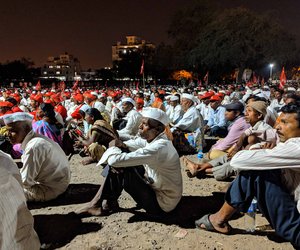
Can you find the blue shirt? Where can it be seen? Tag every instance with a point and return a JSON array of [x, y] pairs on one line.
[[217, 117]]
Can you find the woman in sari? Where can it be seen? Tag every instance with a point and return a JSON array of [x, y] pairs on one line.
[[47, 124], [99, 136]]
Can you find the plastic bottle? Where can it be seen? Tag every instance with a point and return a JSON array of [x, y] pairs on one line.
[[200, 156], [191, 140], [250, 217]]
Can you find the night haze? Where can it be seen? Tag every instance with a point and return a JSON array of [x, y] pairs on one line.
[[38, 29]]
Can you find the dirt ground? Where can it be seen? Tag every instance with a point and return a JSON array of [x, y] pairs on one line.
[[59, 228]]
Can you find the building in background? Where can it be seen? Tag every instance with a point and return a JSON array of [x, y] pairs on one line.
[[133, 44], [64, 67], [127, 58]]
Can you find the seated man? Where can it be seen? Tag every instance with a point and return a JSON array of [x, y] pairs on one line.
[[16, 224], [45, 172], [132, 118], [235, 115], [272, 175], [156, 186], [216, 125], [191, 119], [252, 138], [175, 111]]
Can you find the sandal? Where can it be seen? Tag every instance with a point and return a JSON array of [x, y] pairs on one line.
[[208, 225]]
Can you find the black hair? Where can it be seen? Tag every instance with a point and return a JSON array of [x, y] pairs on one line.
[[95, 113], [292, 108], [48, 110], [12, 100]]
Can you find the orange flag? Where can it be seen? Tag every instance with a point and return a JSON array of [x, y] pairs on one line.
[[282, 79]]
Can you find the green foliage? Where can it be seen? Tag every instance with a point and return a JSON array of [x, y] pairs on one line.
[[220, 40]]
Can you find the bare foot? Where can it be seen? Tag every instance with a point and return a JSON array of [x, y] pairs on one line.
[[87, 161], [88, 209], [191, 166]]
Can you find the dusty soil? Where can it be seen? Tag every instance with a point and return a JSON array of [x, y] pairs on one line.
[[59, 228]]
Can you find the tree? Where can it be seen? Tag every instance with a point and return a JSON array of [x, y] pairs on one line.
[[207, 39]]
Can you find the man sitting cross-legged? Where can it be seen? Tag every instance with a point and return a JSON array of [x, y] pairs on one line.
[[272, 175]]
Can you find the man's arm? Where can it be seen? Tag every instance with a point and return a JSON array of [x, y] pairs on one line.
[[284, 155]]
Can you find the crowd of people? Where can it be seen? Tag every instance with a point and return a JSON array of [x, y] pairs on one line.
[[138, 138]]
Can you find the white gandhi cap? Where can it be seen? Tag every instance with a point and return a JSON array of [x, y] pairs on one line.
[[156, 114], [17, 117]]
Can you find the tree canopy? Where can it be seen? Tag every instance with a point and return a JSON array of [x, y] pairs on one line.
[[206, 37]]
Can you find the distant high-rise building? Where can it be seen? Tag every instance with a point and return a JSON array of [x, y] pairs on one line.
[[133, 44], [65, 67]]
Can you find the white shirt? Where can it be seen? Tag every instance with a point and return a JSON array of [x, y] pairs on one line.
[[161, 163], [190, 121], [16, 224], [44, 162], [175, 113], [134, 119], [285, 156], [204, 110]]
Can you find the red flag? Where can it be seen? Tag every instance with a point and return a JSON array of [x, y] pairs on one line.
[[75, 86], [62, 86], [205, 79], [282, 79], [142, 68], [38, 86], [254, 79], [199, 83]]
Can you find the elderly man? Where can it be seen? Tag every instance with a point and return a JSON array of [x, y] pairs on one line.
[[16, 224], [45, 172], [272, 175], [175, 110], [156, 185], [191, 119], [132, 118]]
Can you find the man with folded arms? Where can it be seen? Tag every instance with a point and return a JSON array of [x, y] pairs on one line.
[[272, 175]]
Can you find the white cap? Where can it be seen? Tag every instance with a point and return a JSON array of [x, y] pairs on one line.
[[188, 96], [17, 117], [168, 97], [94, 93], [156, 114], [174, 98], [84, 107], [291, 89], [256, 92], [128, 99]]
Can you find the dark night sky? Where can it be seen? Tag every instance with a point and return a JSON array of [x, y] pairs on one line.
[[87, 29]]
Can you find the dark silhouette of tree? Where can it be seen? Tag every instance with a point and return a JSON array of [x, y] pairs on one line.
[[209, 38]]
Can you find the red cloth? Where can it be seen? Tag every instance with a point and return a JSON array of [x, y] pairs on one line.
[[61, 110]]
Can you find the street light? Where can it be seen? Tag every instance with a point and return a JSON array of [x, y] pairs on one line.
[[271, 68]]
